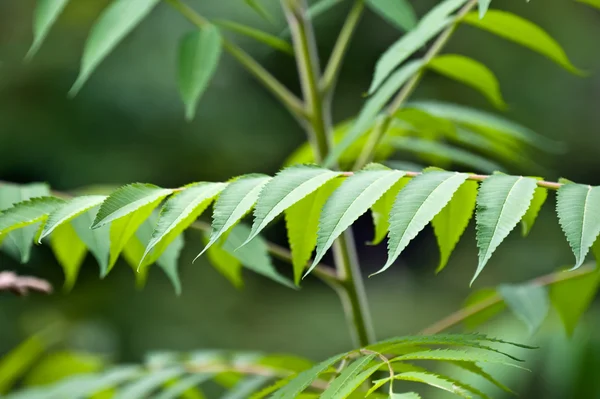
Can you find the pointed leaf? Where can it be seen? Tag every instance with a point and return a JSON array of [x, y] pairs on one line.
[[539, 197], [144, 386], [199, 54], [399, 13], [126, 200], [501, 203], [453, 219], [69, 211], [176, 390], [28, 212], [578, 209], [354, 197], [244, 388], [435, 381], [259, 9], [372, 107], [431, 24], [284, 190], [483, 7], [454, 355], [96, 240], [228, 265], [177, 214], [234, 202], [46, 13], [423, 198], [523, 32], [572, 297], [407, 395], [382, 208], [350, 378], [470, 72], [475, 369], [258, 35], [119, 18], [70, 252], [528, 302], [302, 223]]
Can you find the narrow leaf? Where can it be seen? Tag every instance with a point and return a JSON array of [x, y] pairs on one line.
[[69, 211], [382, 208], [96, 240], [258, 35], [528, 302], [483, 7], [144, 386], [470, 72], [284, 190], [523, 32], [259, 9], [350, 378], [354, 197], [450, 223], [228, 265], [501, 203], [70, 252], [399, 13], [578, 209], [454, 355], [120, 18], [416, 205], [435, 381], [539, 197], [407, 395], [176, 390], [475, 369], [28, 212], [199, 54], [244, 388], [46, 13], [372, 107]]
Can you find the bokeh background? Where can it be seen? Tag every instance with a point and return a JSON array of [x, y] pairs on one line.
[[127, 125]]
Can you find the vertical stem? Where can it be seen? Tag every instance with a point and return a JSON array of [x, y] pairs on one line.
[[351, 291]]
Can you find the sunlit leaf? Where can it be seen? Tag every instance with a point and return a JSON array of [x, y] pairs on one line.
[[96, 240], [523, 32], [501, 203], [399, 13], [225, 263], [528, 302], [407, 395], [539, 197], [578, 209], [15, 364], [60, 365], [70, 252], [470, 72], [382, 208], [434, 381], [28, 212], [350, 378], [46, 14], [116, 22], [199, 54], [69, 211], [256, 34]]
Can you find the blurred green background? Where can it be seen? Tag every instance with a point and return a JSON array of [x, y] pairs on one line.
[[127, 125]]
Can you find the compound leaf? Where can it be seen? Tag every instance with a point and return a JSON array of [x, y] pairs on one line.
[[349, 379], [69, 211]]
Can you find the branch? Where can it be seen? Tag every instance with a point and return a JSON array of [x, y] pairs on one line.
[[20, 285]]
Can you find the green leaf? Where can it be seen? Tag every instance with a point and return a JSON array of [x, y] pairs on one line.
[[28, 212], [244, 388], [539, 197], [57, 366], [234, 202], [372, 107], [454, 355], [578, 209], [431, 24], [480, 317], [176, 390], [15, 363], [450, 223], [524, 32], [470, 72], [475, 369], [120, 18], [177, 214], [304, 379], [382, 208], [354, 197], [399, 13], [46, 13], [96, 240], [228, 265], [407, 395], [572, 297], [126, 200], [302, 223], [435, 381], [483, 7], [593, 3], [69, 211], [199, 54], [528, 302], [350, 378], [256, 34], [501, 203], [259, 9], [284, 190], [423, 198], [144, 386], [70, 252]]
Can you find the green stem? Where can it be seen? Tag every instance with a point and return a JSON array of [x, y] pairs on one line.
[[382, 126], [287, 98]]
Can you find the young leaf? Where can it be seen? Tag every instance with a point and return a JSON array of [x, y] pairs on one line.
[[120, 18], [184, 384], [69, 211], [226, 264], [501, 203], [382, 208], [450, 223], [70, 252], [523, 32], [470, 72], [529, 303], [126, 200], [143, 387], [416, 205], [571, 298], [350, 378], [354, 197], [284, 190], [302, 223], [431, 24], [199, 54], [28, 212], [578, 209], [539, 197], [372, 107], [96, 240], [234, 202], [46, 13], [399, 13], [263, 37], [435, 381], [177, 214], [483, 7]]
